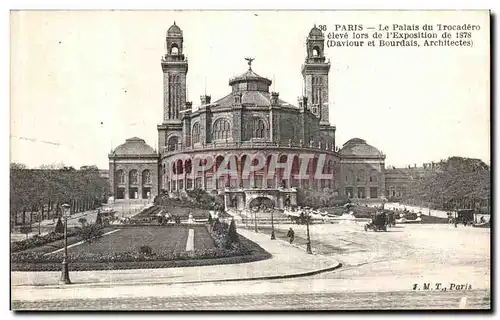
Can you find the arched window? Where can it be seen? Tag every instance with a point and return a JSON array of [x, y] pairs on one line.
[[188, 166], [196, 133], [146, 177], [172, 143], [133, 177], [316, 52], [259, 128], [373, 176], [179, 167], [120, 176], [221, 129], [174, 50]]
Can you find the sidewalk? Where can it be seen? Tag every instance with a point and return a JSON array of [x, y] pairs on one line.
[[287, 261]]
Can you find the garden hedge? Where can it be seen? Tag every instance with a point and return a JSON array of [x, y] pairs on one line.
[[37, 241]]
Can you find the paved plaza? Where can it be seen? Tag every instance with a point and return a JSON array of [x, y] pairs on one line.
[[379, 270]]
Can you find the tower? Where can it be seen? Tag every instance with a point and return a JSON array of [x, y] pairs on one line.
[[175, 67], [315, 73]]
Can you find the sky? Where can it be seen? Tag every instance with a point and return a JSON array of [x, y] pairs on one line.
[[83, 82]]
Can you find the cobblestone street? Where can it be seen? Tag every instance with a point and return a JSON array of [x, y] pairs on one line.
[[300, 301]]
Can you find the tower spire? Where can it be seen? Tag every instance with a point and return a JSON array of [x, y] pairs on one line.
[[315, 72], [175, 67]]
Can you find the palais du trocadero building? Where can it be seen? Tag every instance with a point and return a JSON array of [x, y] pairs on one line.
[[249, 119]]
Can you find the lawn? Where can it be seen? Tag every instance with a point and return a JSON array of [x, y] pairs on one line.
[[120, 250], [168, 238], [202, 239]]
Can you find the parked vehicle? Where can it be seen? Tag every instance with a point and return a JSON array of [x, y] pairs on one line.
[[378, 223]]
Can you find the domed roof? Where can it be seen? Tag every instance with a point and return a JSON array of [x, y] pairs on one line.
[[249, 75], [174, 31], [133, 146], [315, 32], [359, 148]]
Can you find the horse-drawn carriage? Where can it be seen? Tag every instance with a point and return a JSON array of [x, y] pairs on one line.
[[379, 222]]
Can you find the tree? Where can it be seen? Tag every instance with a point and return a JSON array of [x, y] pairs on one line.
[[18, 166], [56, 183], [455, 183], [210, 220], [59, 226]]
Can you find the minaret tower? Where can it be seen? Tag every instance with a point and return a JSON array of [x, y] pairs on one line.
[[175, 67], [315, 72]]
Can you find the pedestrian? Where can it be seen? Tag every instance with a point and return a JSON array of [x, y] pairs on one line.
[[291, 235]]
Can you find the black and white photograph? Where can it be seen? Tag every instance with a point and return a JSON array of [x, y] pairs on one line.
[[197, 160]]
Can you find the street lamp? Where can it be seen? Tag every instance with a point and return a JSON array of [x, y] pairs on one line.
[[308, 237], [39, 223], [65, 272], [273, 237], [255, 220]]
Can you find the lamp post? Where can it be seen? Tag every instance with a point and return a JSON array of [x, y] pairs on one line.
[[308, 237], [65, 272], [39, 223], [255, 220], [273, 237]]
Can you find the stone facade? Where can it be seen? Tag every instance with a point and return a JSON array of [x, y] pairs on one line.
[[248, 123], [133, 170], [362, 173]]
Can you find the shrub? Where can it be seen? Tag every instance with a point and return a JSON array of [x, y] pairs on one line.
[[59, 226], [233, 235], [38, 241], [216, 227], [212, 253], [410, 215], [98, 219], [82, 221], [89, 232], [26, 229], [145, 250], [224, 235]]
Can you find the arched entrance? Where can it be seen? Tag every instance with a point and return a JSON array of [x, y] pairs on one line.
[[261, 203]]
